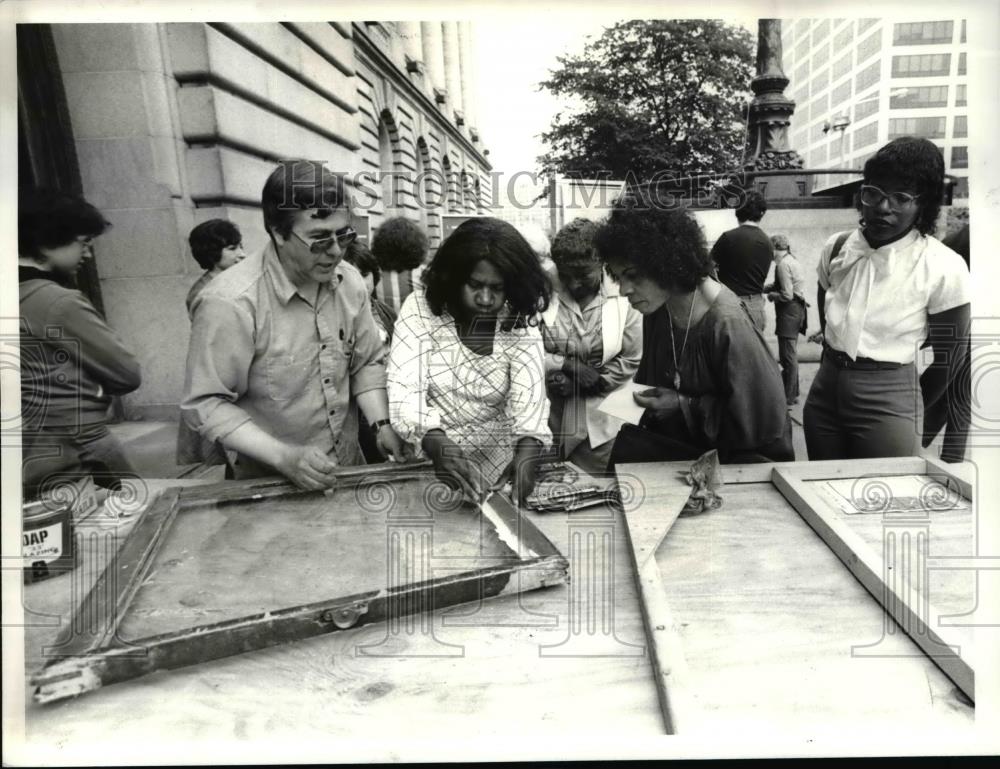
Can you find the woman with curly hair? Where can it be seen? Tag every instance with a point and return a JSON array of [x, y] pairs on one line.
[[400, 247], [466, 371], [713, 383], [883, 289]]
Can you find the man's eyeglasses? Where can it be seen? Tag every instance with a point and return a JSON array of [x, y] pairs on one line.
[[873, 196], [342, 237]]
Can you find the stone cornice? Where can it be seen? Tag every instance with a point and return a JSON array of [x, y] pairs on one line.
[[369, 51]]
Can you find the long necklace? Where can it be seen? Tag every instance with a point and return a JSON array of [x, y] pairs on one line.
[[673, 345]]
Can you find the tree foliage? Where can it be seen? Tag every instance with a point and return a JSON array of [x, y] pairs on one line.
[[652, 96]]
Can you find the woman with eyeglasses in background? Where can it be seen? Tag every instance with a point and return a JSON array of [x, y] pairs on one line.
[[883, 289]]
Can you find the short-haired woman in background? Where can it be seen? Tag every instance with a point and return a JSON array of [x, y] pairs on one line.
[[713, 381], [216, 245], [466, 372], [883, 289]]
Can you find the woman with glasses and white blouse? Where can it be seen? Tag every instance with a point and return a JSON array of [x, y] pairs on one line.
[[884, 289]]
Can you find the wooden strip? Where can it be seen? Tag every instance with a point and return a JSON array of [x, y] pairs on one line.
[[86, 672], [125, 574], [678, 703], [648, 523], [263, 488], [867, 567], [961, 473], [505, 517], [819, 470]]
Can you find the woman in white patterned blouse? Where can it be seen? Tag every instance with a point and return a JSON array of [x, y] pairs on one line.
[[466, 370]]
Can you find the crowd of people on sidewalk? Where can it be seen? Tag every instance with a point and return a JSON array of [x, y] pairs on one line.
[[492, 354]]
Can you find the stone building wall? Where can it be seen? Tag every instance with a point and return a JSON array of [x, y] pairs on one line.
[[182, 122]]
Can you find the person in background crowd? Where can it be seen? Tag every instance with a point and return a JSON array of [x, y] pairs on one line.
[[593, 343], [743, 257], [883, 289], [400, 246], [72, 362], [713, 383], [539, 242], [284, 347], [467, 372], [216, 245], [360, 256], [788, 295]]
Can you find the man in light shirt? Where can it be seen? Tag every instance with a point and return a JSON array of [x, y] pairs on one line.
[[284, 348], [788, 295]]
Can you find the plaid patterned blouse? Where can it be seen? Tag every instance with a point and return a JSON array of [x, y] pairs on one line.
[[484, 403]]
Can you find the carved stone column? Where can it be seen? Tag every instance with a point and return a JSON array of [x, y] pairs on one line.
[[468, 68], [452, 64], [413, 49], [433, 47]]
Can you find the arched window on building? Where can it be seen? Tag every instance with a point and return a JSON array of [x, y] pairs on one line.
[[386, 165], [451, 203], [477, 193], [428, 191]]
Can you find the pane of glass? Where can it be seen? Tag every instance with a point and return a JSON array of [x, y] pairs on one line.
[[221, 562]]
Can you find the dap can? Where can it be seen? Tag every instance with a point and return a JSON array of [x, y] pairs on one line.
[[47, 539]]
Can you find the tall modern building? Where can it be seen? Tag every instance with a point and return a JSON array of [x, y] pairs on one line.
[[858, 83], [163, 126]]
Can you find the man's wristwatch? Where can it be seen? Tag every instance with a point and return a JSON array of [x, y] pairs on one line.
[[379, 424]]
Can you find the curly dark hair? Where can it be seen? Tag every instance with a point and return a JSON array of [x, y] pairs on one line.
[[526, 285], [361, 256], [48, 218], [664, 244], [209, 238], [574, 243], [753, 207], [918, 165], [399, 244]]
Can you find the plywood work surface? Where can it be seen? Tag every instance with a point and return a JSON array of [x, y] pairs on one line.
[[947, 539], [561, 661], [779, 636]]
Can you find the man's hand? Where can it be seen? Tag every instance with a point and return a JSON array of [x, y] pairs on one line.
[[453, 467], [772, 296], [817, 337], [523, 469], [307, 467], [661, 402], [587, 377], [394, 447]]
